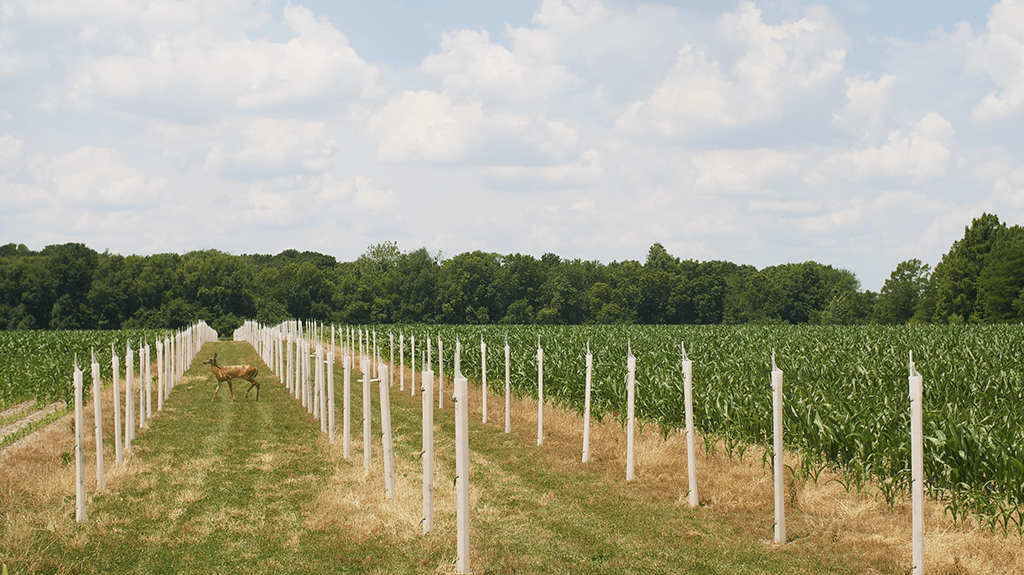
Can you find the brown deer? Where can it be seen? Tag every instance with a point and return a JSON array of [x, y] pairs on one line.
[[231, 372]]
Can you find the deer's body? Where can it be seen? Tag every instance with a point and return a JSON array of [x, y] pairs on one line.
[[231, 372]]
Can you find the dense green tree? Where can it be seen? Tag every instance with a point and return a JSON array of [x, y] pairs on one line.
[[107, 297], [902, 292], [413, 283], [567, 288], [71, 268], [956, 276], [848, 308], [71, 286], [706, 291], [788, 293], [518, 287], [659, 278], [466, 289], [26, 295], [1001, 281]]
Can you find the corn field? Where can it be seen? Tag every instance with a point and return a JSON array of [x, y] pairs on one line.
[[846, 395], [37, 364]]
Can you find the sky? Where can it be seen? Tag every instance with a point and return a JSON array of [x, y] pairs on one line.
[[854, 133]]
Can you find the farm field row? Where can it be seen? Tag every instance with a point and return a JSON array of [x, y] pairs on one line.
[[37, 365], [845, 388], [249, 487]]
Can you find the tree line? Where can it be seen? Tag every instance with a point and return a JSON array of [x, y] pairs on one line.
[[70, 286]]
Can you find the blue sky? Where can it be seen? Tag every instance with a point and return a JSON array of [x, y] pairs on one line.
[[857, 134]]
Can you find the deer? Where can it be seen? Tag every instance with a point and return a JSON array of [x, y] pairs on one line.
[[232, 372]]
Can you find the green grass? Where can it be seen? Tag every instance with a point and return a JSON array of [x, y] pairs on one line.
[[228, 487]]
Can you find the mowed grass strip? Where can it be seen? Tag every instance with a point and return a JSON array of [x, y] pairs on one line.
[[224, 486], [254, 487]]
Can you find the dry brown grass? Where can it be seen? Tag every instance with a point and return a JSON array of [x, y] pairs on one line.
[[821, 515], [37, 476]]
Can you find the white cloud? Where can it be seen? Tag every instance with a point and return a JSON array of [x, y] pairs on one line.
[[834, 222], [743, 171], [587, 169], [10, 147], [371, 199], [470, 66], [1007, 197], [331, 194], [98, 177], [19, 197], [866, 112], [625, 52], [255, 145], [1000, 54], [696, 94], [922, 153], [424, 125], [780, 64], [1009, 194], [177, 71], [428, 126]]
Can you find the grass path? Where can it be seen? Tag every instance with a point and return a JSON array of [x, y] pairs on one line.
[[253, 487], [224, 489]]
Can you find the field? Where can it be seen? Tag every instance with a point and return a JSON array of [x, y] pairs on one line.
[[846, 395], [246, 487], [36, 365], [255, 487]]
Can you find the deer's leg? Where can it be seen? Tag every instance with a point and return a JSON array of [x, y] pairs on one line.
[[255, 384], [215, 392], [231, 388]]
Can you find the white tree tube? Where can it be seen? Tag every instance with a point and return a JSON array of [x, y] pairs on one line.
[[586, 407], [508, 390], [115, 366], [458, 357], [129, 398], [385, 428], [330, 391], [412, 384], [780, 501], [79, 448], [321, 388], [462, 471], [391, 349], [149, 384], [308, 356], [691, 450], [365, 367], [440, 374], [280, 355], [324, 367], [160, 377], [917, 465], [630, 412], [97, 406], [318, 374], [289, 369], [142, 386], [483, 377], [428, 451], [540, 394], [346, 400]]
